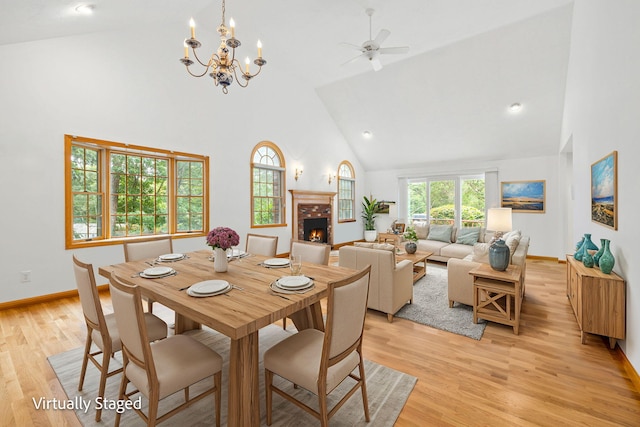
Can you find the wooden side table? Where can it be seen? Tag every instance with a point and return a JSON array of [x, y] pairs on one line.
[[497, 295], [395, 238]]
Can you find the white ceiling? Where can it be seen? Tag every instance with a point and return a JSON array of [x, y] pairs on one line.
[[445, 100]]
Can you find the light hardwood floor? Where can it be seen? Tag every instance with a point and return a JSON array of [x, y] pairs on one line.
[[543, 376]]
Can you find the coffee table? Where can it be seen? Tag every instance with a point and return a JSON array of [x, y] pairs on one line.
[[419, 260]]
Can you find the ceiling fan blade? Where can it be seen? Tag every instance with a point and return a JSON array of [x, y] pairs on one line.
[[375, 62], [382, 36], [399, 49], [352, 60], [355, 46]]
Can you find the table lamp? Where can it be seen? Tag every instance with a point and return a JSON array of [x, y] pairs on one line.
[[499, 221]]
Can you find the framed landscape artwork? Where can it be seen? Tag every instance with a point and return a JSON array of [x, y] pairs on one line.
[[604, 191], [523, 196]]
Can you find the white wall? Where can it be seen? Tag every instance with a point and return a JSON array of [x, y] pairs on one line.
[[544, 229], [104, 86], [601, 115]]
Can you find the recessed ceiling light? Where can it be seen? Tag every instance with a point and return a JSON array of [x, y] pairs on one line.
[[85, 9], [515, 107], [366, 134]]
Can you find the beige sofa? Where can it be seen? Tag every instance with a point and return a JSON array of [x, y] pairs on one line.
[[391, 284], [447, 242], [460, 282]]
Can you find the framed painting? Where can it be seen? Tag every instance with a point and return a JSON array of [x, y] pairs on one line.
[[604, 191], [523, 196]]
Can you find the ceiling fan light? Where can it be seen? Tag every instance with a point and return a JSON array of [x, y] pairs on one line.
[[515, 107], [367, 134]]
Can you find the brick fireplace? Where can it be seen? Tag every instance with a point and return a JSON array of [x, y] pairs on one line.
[[312, 216]]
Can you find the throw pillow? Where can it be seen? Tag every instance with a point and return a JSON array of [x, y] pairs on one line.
[[422, 229], [384, 246], [481, 253], [468, 236], [512, 240], [441, 233], [363, 244]]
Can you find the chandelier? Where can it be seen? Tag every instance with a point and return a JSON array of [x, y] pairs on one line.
[[223, 64]]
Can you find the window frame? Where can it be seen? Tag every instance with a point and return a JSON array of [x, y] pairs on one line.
[[351, 179], [104, 150], [282, 169]]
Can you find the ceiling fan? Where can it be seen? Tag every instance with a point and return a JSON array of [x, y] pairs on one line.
[[371, 49]]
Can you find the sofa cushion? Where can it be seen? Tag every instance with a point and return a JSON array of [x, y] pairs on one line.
[[441, 233], [468, 236], [456, 250], [422, 229], [481, 253], [431, 246], [363, 244], [512, 239], [384, 246]]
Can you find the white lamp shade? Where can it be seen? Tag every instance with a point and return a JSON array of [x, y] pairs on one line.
[[499, 219]]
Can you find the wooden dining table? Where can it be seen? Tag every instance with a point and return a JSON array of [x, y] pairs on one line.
[[238, 314]]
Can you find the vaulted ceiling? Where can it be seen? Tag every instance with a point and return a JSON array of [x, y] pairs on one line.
[[445, 100]]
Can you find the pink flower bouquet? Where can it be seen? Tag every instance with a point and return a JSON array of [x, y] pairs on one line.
[[223, 238]]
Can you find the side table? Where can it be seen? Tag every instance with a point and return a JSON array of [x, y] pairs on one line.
[[396, 238], [497, 295]]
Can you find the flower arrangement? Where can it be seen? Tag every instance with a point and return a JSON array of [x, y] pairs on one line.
[[411, 234], [223, 238]]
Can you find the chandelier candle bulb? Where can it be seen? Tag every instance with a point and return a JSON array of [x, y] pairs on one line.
[[186, 50], [246, 65], [259, 49], [232, 24], [192, 24]]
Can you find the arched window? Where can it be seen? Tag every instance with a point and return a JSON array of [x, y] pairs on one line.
[[267, 186], [346, 192]]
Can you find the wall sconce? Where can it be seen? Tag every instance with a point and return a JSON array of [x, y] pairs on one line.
[[298, 173], [331, 178]]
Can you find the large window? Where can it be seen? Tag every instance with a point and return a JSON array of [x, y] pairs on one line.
[[458, 201], [116, 191], [346, 192], [267, 186]]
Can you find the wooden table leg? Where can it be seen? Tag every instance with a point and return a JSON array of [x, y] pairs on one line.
[[310, 317], [476, 301], [244, 391], [185, 324]]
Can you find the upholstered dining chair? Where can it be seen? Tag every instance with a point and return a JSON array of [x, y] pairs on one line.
[[136, 250], [159, 369], [258, 244], [320, 361], [315, 253], [101, 328]]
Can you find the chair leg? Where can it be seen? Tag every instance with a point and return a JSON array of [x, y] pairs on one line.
[[324, 411], [217, 380], [390, 317], [85, 359], [363, 389], [268, 380], [123, 389], [284, 323], [104, 373]]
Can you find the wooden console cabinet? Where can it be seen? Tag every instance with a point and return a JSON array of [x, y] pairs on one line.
[[598, 301]]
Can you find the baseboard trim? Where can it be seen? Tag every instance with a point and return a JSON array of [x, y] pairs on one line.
[[629, 369], [45, 298], [543, 258]]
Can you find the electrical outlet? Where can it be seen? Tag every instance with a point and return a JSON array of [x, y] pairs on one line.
[[25, 276]]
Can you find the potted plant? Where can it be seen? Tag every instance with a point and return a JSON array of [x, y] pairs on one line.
[[412, 238], [369, 210]]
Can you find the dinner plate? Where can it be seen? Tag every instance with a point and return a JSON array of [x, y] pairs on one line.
[[170, 257], [236, 253], [197, 295], [276, 262], [209, 287], [293, 282], [157, 271]]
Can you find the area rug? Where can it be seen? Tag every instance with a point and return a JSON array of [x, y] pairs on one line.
[[431, 306], [387, 391]]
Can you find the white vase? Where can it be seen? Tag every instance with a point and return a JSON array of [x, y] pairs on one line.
[[370, 235], [220, 263]]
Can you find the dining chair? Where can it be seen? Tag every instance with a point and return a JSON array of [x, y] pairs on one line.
[[101, 328], [159, 369], [140, 249], [320, 361], [315, 253], [258, 244]]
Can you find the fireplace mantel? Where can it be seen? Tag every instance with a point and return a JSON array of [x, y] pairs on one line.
[[308, 199]]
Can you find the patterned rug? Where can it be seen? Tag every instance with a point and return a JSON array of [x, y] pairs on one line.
[[431, 306], [387, 391]]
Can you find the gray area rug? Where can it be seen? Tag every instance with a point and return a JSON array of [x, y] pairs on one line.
[[431, 306], [387, 391]]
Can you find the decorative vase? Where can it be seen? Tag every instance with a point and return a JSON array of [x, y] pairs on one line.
[[587, 258], [578, 254], [579, 244], [370, 235], [589, 244], [411, 247], [220, 263], [499, 255], [596, 257], [607, 261]]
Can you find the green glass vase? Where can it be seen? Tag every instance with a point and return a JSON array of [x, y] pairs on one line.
[[596, 257], [607, 261]]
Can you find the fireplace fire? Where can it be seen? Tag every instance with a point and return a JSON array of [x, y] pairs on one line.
[[315, 230], [316, 235]]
